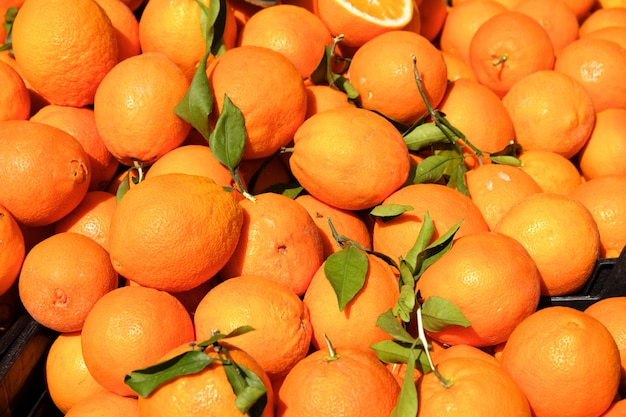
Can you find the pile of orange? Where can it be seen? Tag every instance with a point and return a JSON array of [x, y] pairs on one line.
[[165, 181]]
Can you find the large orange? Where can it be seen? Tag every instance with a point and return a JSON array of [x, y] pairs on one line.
[[282, 330], [129, 328], [14, 94], [207, 393], [64, 48], [552, 171], [105, 404], [134, 108], [492, 279], [332, 148], [346, 382], [62, 278], [44, 171], [12, 250], [80, 122], [477, 388], [604, 151], [605, 198], [507, 47], [561, 236], [382, 73], [279, 240], [446, 207], [355, 326], [566, 348], [149, 236]]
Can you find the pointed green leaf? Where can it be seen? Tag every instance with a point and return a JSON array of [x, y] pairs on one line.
[[456, 177], [405, 304], [407, 403], [423, 238], [425, 135], [390, 324], [436, 249], [123, 187], [439, 313], [346, 271], [197, 103], [219, 336], [506, 160], [248, 388], [389, 211], [391, 351], [320, 73], [228, 139], [432, 168]]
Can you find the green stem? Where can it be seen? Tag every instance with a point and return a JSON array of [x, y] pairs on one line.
[[422, 337]]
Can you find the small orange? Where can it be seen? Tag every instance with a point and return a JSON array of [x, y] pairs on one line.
[[126, 27], [249, 75], [133, 4], [599, 65], [496, 188], [14, 95], [617, 409], [464, 350], [64, 48], [80, 122], [355, 326], [62, 278], [445, 206], [477, 388], [604, 151], [457, 67], [92, 217], [279, 240], [129, 328], [105, 404], [282, 330], [560, 235], [602, 18], [492, 279], [382, 73], [324, 97], [582, 8], [262, 175], [616, 34], [152, 246], [507, 47], [566, 348], [332, 147], [550, 111], [67, 378], [134, 108], [605, 198], [45, 172], [432, 14], [344, 382], [12, 250], [552, 171]]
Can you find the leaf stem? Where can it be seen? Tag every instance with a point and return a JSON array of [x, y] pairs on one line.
[[422, 337]]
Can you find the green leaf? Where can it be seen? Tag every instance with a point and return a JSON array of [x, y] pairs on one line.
[[432, 168], [389, 211], [390, 324], [425, 135], [343, 84], [439, 313], [228, 139], [421, 243], [391, 351], [346, 271], [197, 103], [456, 177], [251, 393], [405, 304], [506, 160], [219, 336], [436, 249], [407, 403], [145, 381]]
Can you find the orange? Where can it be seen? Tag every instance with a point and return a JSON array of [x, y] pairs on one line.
[[477, 387], [64, 48], [507, 47], [556, 17], [249, 76], [279, 241], [610, 312], [324, 97], [561, 236], [92, 217], [129, 328], [604, 152], [492, 279], [616, 34], [105, 404], [463, 350], [243, 10], [133, 4], [174, 29], [457, 68], [445, 206], [361, 21], [602, 18], [207, 393], [344, 382], [617, 409], [332, 147], [346, 223], [552, 171], [432, 14], [462, 22], [551, 111], [263, 174], [355, 326], [605, 198], [496, 188], [153, 246], [191, 298], [67, 378], [134, 108], [282, 330], [12, 250], [466, 105], [36, 100], [126, 27], [62, 278], [80, 122], [297, 33], [566, 348], [42, 164], [382, 73], [599, 65], [14, 95], [582, 8]]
